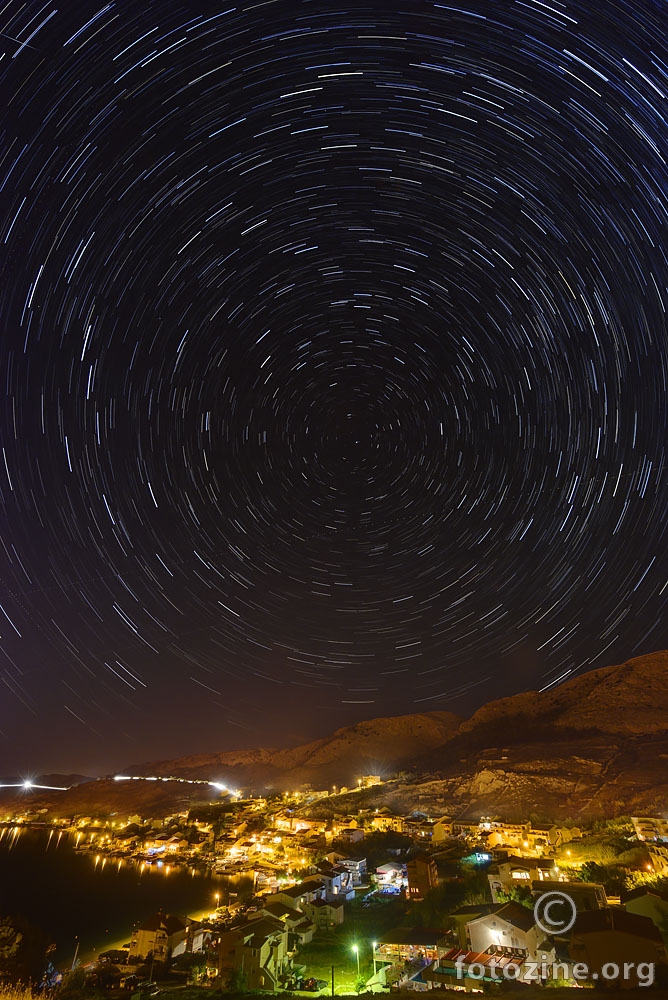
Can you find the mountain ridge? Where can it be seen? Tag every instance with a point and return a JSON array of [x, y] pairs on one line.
[[346, 754], [595, 745]]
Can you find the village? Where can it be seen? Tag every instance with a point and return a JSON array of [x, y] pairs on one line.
[[374, 901]]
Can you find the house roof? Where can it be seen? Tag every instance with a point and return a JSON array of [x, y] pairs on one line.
[[613, 919], [305, 925], [278, 909], [163, 921], [525, 863], [643, 890], [261, 929], [472, 910], [335, 904], [552, 884], [302, 888], [517, 915]]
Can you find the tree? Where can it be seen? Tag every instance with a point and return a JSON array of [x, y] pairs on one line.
[[194, 963], [237, 981], [73, 985], [22, 950], [613, 878], [438, 904], [517, 894], [360, 983], [477, 886]]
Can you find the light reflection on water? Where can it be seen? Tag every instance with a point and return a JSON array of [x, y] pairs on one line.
[[97, 896]]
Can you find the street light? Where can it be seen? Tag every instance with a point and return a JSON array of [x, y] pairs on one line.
[[76, 952], [357, 953], [374, 945], [217, 899]]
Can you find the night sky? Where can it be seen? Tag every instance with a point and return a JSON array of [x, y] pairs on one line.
[[334, 363]]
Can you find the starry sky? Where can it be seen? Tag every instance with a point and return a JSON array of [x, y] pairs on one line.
[[333, 363]]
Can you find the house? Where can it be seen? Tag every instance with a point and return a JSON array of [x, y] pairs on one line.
[[442, 830], [165, 844], [547, 837], [465, 829], [518, 871], [509, 928], [257, 952], [369, 780], [326, 914], [356, 867], [203, 940], [658, 855], [585, 895], [614, 935], [468, 971], [649, 903], [650, 827], [391, 873], [465, 914], [200, 937], [419, 827], [297, 824], [302, 934], [497, 833], [296, 895], [337, 880], [351, 835], [384, 820], [409, 944], [278, 910], [161, 935], [422, 876], [300, 928]]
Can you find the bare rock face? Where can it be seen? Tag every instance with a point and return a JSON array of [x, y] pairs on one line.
[[629, 699], [595, 746]]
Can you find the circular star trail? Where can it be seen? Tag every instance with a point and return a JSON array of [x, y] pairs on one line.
[[334, 361]]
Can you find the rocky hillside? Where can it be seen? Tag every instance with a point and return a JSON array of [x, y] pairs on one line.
[[630, 699], [595, 746], [379, 746]]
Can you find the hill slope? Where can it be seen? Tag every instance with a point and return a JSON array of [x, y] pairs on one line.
[[595, 746], [628, 699], [378, 746]]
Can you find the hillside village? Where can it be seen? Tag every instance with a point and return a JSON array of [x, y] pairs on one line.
[[374, 900], [397, 853]]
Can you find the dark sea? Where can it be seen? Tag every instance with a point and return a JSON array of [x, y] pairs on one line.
[[97, 900]]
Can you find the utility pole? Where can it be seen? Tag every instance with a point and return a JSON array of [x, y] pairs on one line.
[[76, 952], [332, 980]]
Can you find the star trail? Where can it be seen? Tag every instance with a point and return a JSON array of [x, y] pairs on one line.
[[334, 363]]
